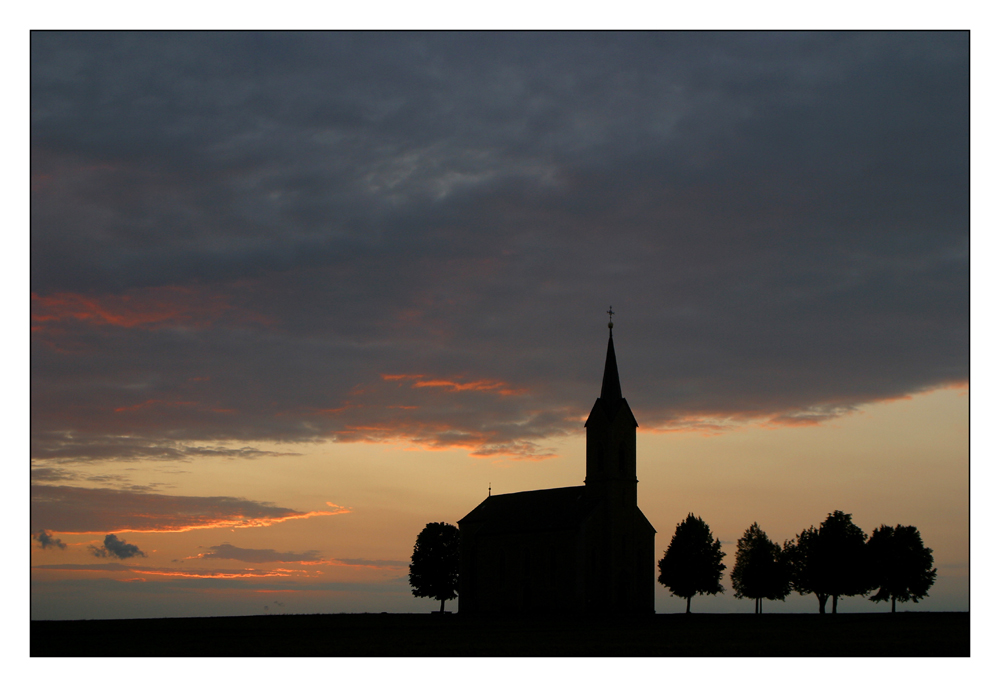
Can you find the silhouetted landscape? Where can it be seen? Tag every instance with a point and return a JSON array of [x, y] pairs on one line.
[[845, 634], [302, 302]]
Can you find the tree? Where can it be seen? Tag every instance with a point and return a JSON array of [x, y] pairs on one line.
[[434, 564], [692, 564], [760, 571], [831, 561], [900, 565], [803, 561]]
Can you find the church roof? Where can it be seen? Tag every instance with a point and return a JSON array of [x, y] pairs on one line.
[[524, 511]]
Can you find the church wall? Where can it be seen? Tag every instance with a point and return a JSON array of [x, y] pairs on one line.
[[520, 573], [645, 569]]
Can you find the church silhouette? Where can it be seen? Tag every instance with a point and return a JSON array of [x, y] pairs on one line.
[[582, 549]]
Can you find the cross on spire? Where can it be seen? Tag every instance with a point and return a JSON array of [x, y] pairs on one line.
[[611, 313]]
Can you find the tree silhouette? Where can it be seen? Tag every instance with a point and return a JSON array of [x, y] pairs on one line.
[[900, 565], [434, 564], [803, 560], [760, 571], [692, 564], [831, 561]]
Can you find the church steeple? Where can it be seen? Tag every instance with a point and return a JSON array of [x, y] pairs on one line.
[[611, 387], [611, 436]]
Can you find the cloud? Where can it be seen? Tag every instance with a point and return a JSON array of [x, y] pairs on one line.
[[146, 308], [109, 567], [482, 385], [312, 557], [368, 237], [91, 511], [228, 551], [74, 446], [154, 580], [47, 474], [46, 540], [369, 563], [179, 573], [116, 548], [51, 474]]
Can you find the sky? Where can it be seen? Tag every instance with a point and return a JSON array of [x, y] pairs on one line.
[[295, 295]]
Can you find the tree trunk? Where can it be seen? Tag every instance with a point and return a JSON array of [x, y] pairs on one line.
[[893, 604], [835, 597], [822, 602], [442, 605], [689, 605]]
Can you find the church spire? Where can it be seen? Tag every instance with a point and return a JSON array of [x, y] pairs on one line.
[[611, 388]]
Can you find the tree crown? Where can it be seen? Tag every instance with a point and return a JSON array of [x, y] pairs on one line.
[[692, 564], [760, 570], [901, 564], [434, 563]]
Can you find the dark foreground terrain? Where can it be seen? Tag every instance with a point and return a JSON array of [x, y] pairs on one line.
[[863, 634]]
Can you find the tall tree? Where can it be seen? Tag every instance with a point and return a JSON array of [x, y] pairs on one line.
[[845, 556], [692, 564], [900, 565], [830, 562], [434, 564], [760, 571], [803, 560]]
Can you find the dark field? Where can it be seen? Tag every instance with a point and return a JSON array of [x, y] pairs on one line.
[[863, 634]]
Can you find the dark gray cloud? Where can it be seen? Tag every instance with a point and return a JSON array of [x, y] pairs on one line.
[[253, 236], [83, 510], [116, 548], [235, 553], [51, 474], [69, 446], [46, 540]]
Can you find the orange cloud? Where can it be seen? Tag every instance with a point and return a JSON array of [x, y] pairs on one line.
[[439, 436], [78, 510], [148, 308], [220, 575], [484, 385], [169, 572], [709, 424], [231, 523], [145, 308]]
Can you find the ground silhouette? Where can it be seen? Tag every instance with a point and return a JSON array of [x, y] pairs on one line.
[[434, 634]]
